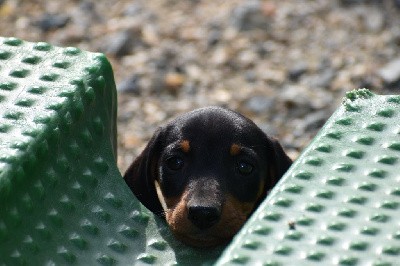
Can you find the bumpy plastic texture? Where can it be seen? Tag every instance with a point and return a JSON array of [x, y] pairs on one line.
[[63, 201], [340, 202], [62, 198]]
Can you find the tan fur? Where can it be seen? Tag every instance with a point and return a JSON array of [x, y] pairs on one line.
[[235, 149], [160, 195], [234, 215], [185, 146]]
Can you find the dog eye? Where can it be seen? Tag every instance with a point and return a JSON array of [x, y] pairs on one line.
[[244, 168], [174, 163]]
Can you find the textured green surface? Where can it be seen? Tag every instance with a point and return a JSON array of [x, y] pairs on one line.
[[339, 203], [62, 199]]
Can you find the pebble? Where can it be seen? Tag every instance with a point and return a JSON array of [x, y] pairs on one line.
[[87, 6], [174, 81], [390, 73], [69, 36], [214, 37], [315, 120], [250, 76], [246, 59], [220, 56], [85, 15], [52, 21], [372, 17], [249, 16], [350, 2], [118, 44], [259, 104], [133, 9], [263, 49], [268, 128], [130, 85], [296, 100], [299, 101], [297, 70], [375, 20], [323, 79]]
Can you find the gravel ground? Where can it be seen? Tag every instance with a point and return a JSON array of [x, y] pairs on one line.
[[285, 64]]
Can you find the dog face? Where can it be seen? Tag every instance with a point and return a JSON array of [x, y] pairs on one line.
[[206, 172]]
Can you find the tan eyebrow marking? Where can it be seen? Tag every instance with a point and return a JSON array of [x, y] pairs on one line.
[[185, 146], [235, 149]]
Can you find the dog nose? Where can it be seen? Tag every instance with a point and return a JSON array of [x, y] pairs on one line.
[[203, 217]]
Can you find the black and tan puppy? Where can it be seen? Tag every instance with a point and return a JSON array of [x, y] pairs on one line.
[[206, 172]]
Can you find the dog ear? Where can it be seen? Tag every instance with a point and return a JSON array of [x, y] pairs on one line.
[[279, 162], [142, 173]]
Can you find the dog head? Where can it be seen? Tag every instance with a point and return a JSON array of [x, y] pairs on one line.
[[206, 172]]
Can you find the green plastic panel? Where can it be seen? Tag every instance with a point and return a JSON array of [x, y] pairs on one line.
[[62, 198], [339, 204]]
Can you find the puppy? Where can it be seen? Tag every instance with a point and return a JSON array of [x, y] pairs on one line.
[[205, 172]]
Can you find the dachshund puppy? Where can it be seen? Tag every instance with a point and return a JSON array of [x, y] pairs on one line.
[[205, 172]]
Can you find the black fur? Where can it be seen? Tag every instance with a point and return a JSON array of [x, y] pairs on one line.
[[210, 132]]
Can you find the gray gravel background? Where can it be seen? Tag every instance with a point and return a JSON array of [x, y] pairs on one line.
[[286, 64]]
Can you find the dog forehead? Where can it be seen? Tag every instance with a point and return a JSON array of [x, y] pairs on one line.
[[213, 120], [213, 126]]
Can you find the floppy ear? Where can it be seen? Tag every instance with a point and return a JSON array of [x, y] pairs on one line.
[[278, 164], [142, 173], [280, 161]]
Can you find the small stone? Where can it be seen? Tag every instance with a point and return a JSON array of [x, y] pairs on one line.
[[86, 14], [250, 15], [69, 36], [151, 34], [221, 95], [297, 70], [87, 6], [350, 2], [390, 73], [371, 18], [276, 76], [259, 104], [214, 37], [174, 81], [118, 44], [264, 48], [246, 59], [194, 72], [250, 76], [52, 21], [315, 120], [221, 56], [190, 88], [133, 9], [374, 20], [297, 100], [130, 85], [324, 79]]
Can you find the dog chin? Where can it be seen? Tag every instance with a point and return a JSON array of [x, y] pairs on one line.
[[201, 240]]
